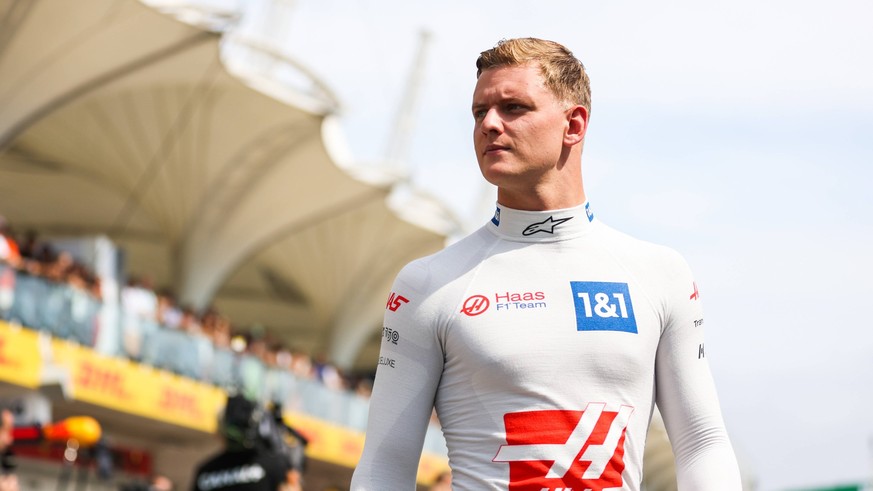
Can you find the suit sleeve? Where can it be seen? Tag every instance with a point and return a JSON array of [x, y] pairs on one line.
[[410, 367], [685, 390]]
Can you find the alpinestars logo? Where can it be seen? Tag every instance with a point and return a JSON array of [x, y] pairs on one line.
[[565, 450], [548, 225]]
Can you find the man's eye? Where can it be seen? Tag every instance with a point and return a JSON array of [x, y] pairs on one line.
[[514, 107], [479, 114]]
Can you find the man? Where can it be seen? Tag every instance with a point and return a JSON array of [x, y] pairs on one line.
[[544, 338], [250, 460]]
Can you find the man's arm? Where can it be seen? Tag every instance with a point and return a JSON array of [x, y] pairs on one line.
[[410, 366], [686, 394]]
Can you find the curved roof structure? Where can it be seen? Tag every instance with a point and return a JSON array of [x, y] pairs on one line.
[[118, 119]]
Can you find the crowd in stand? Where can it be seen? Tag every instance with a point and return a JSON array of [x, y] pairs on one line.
[[141, 301], [42, 259]]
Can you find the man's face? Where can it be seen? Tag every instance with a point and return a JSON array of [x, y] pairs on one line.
[[519, 126]]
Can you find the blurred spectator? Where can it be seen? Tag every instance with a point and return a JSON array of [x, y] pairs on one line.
[[282, 357], [301, 365], [65, 305], [56, 269], [364, 388], [145, 309], [238, 343], [10, 255], [139, 306], [28, 246], [208, 321], [443, 482], [189, 322], [327, 373], [8, 479], [270, 355], [194, 326], [7, 291], [42, 254], [78, 277], [9, 252], [221, 333], [83, 304], [160, 483], [256, 342], [168, 314]]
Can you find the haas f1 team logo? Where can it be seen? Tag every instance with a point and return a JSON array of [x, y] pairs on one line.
[[395, 301], [565, 450], [475, 305]]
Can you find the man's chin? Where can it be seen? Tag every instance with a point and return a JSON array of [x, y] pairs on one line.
[[494, 178], [497, 172]]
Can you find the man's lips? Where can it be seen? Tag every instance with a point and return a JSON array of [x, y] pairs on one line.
[[495, 148]]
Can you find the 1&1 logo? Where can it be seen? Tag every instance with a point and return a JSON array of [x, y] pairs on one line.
[[603, 306], [565, 450]]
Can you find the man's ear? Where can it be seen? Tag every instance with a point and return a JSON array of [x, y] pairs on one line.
[[577, 125]]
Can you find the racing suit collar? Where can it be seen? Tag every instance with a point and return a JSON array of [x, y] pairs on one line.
[[541, 226]]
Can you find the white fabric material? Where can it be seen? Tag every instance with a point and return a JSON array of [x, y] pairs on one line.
[[544, 340]]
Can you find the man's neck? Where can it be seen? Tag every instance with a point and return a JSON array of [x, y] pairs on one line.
[[540, 201], [541, 226]]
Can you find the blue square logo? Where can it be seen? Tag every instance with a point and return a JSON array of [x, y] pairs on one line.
[[603, 306]]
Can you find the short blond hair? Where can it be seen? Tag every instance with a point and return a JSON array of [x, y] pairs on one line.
[[562, 72]]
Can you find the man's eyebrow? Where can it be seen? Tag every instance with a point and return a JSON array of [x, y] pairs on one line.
[[508, 99], [513, 100]]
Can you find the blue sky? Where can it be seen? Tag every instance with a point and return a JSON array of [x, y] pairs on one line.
[[739, 133]]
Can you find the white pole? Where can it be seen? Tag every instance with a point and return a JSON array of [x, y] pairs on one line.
[[397, 152]]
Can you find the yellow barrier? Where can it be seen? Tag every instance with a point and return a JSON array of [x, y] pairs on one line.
[[20, 360], [132, 388], [342, 446], [138, 389]]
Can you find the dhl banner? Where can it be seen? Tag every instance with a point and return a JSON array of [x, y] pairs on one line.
[[20, 361], [342, 446], [141, 390], [138, 389]]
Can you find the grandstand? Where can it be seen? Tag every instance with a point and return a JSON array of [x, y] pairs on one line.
[[128, 139], [152, 147]]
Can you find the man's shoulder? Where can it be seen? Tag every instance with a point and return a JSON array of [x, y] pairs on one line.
[[636, 245], [451, 260], [642, 255]]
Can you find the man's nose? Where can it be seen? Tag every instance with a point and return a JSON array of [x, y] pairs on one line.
[[492, 121]]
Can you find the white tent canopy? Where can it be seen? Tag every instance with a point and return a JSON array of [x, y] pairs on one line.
[[117, 119]]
